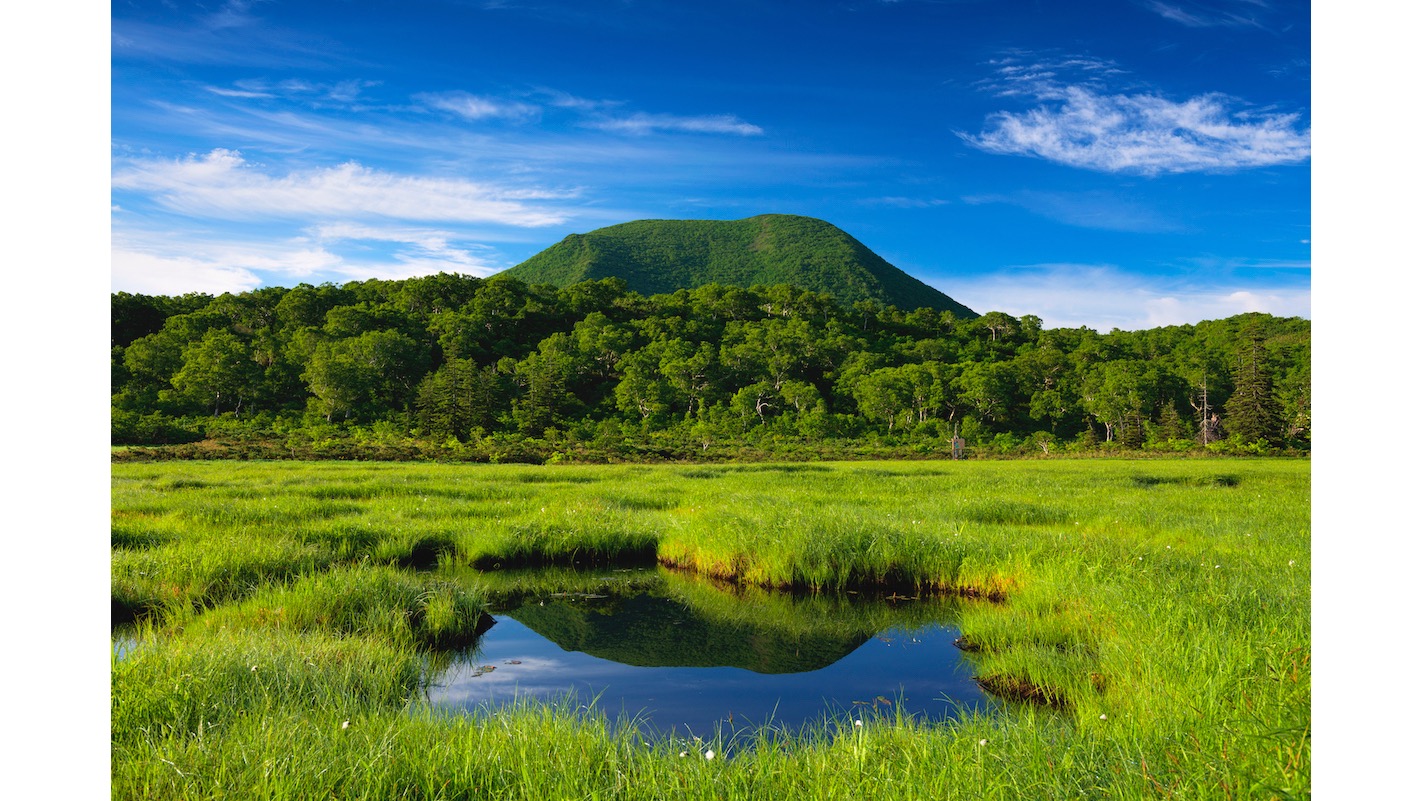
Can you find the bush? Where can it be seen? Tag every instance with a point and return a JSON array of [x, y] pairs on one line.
[[156, 428]]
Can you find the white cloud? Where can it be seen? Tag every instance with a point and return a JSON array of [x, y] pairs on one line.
[[426, 251], [153, 274], [1209, 15], [1103, 297], [224, 185], [340, 92], [474, 107], [1081, 122], [643, 123], [1145, 134], [243, 93], [561, 99], [1044, 77], [167, 263]]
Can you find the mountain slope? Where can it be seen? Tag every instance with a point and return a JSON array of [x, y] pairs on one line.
[[659, 256]]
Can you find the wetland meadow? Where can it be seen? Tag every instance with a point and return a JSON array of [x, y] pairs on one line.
[[1101, 628]]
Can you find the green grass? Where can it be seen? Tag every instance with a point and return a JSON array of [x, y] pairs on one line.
[[1157, 611]]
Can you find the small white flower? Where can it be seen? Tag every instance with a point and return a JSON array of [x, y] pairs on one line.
[[254, 668], [1218, 567], [1292, 563], [858, 723], [682, 754], [1103, 716], [345, 724], [983, 742], [709, 754]]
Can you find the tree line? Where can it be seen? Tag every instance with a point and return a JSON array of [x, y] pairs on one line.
[[452, 361]]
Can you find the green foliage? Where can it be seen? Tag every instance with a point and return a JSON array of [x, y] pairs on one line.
[[478, 369], [459, 398], [217, 370], [663, 256], [1253, 412], [360, 374], [134, 316]]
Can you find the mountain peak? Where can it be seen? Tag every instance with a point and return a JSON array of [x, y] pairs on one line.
[[662, 256]]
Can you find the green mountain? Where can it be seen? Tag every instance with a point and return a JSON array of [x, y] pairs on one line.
[[661, 256]]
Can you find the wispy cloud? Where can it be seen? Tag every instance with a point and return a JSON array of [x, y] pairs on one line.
[[1103, 297], [223, 91], [169, 263], [475, 107], [901, 202], [1098, 210], [344, 92], [561, 99], [643, 123], [229, 35], [1021, 73], [1087, 126], [224, 185], [421, 250], [1224, 13]]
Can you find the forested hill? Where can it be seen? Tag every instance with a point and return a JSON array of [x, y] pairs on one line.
[[658, 256], [472, 368]]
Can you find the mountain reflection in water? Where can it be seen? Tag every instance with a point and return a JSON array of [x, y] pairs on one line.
[[684, 656]]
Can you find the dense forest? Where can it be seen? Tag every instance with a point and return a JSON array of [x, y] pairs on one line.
[[451, 366]]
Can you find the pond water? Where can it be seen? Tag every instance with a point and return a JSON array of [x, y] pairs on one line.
[[686, 657], [122, 642]]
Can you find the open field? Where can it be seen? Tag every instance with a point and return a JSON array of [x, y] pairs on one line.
[[1151, 618]]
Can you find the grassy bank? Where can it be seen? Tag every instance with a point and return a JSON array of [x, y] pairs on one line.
[[1153, 623]]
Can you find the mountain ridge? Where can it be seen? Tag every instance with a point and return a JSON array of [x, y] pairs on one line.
[[662, 256]]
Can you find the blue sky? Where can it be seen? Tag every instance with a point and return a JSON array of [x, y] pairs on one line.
[[1110, 163]]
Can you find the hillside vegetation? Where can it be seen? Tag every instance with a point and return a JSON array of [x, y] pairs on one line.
[[454, 367], [658, 256]]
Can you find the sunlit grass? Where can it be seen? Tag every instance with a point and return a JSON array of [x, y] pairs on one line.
[[1160, 608]]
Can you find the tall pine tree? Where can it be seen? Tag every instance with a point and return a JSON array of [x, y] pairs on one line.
[[1252, 411]]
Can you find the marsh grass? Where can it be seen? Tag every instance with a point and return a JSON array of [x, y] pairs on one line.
[[377, 601], [509, 588], [1160, 610]]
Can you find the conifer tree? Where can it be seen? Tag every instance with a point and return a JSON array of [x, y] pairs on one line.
[[1252, 411]]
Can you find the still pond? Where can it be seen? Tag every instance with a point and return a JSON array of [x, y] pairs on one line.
[[686, 657]]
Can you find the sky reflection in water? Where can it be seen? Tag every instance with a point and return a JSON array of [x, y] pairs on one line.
[[850, 674]]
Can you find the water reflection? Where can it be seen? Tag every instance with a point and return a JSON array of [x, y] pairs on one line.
[[686, 656]]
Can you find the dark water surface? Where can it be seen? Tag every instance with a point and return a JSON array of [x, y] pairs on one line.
[[685, 657]]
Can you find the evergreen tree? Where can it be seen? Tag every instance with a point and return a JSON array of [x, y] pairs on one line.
[[1170, 425], [1252, 412], [459, 398]]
